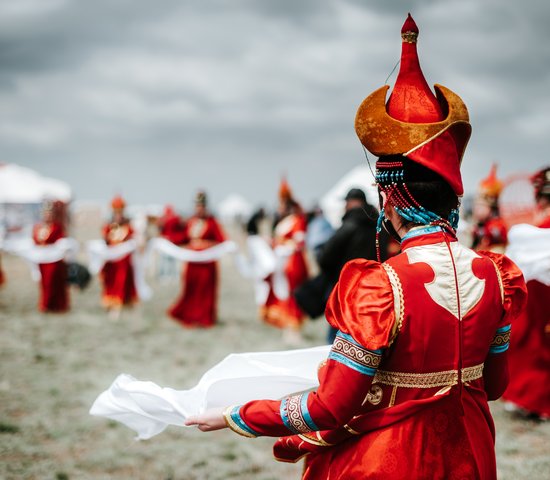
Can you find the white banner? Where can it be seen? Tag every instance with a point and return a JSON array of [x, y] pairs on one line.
[[148, 408], [63, 249], [183, 254], [529, 248]]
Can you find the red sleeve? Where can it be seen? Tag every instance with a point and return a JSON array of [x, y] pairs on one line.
[[105, 232], [350, 368], [362, 304], [514, 299], [216, 231]]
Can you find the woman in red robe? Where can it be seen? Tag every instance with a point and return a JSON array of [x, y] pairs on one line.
[[490, 232], [196, 306], [290, 232], [422, 338], [54, 291], [118, 276], [529, 388]]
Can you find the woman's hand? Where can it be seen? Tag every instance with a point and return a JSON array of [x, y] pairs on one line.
[[208, 421]]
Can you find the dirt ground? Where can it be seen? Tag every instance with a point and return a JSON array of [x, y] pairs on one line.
[[52, 367]]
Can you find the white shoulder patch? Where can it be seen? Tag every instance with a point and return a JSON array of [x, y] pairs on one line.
[[442, 289]]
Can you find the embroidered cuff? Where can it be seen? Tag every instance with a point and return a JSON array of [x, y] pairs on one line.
[[501, 340], [236, 423], [295, 414], [350, 353]]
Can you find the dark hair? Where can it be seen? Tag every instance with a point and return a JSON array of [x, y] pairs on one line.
[[428, 188]]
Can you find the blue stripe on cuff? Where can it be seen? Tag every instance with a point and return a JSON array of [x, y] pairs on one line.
[[350, 339], [504, 329], [499, 349], [351, 364], [284, 416], [236, 417], [306, 414]]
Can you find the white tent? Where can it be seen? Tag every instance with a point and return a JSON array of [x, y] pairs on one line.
[[23, 185], [234, 208], [333, 202]]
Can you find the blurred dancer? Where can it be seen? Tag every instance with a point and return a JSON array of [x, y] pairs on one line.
[[529, 388], [172, 227], [118, 276], [290, 232], [490, 230], [54, 292], [196, 306]]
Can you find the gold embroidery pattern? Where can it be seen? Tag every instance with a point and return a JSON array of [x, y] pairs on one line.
[[351, 430], [501, 339], [375, 395], [398, 298], [427, 380], [315, 439], [233, 426], [409, 37], [356, 353], [295, 417], [500, 284]]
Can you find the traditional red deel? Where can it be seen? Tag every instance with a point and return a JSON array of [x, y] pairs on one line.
[[54, 291], [284, 313], [118, 276], [197, 305]]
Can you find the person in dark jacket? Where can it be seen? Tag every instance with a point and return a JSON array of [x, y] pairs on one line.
[[356, 238]]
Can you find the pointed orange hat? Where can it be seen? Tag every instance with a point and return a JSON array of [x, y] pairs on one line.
[[285, 192], [490, 187], [432, 130], [118, 203]]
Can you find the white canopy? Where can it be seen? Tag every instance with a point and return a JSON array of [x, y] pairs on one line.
[[23, 185], [234, 207], [333, 201]]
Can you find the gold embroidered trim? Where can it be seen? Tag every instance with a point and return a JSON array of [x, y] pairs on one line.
[[315, 439], [499, 276], [392, 397], [295, 415], [356, 353], [232, 425], [427, 380], [409, 37], [501, 339], [351, 430], [374, 396], [398, 299]]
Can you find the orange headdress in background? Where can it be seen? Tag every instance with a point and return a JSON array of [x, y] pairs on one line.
[[490, 187], [118, 203]]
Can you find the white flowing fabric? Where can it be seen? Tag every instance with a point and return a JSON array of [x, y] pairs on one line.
[[100, 253], [187, 255], [148, 408], [63, 249], [529, 248], [263, 261]]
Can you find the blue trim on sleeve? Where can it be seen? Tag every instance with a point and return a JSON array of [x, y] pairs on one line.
[[306, 414], [350, 339], [504, 329], [500, 348], [236, 417], [351, 364], [284, 416]]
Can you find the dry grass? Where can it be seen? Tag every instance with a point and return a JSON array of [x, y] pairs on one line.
[[53, 366]]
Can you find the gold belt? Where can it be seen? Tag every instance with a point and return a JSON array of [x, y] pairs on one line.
[[427, 380]]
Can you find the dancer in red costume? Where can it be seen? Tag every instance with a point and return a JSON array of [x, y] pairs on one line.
[[118, 276], [422, 338], [490, 232], [529, 355], [54, 291], [197, 305], [290, 231]]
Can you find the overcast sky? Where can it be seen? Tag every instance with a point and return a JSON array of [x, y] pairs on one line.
[[154, 99]]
